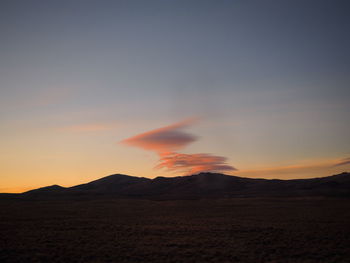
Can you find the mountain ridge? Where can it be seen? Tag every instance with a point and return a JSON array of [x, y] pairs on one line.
[[201, 185]]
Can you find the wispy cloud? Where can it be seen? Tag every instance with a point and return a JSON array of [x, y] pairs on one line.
[[342, 162], [166, 141], [283, 171], [306, 169], [89, 127]]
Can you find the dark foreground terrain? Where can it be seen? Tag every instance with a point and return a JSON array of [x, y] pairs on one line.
[[217, 230]]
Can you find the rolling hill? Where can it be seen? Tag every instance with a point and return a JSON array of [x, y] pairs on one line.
[[202, 185]]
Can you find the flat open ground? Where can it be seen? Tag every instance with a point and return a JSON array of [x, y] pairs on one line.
[[231, 230]]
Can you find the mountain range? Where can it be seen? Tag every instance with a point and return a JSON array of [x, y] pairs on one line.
[[202, 185]]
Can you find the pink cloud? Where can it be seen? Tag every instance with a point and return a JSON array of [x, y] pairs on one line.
[[167, 140], [164, 140], [194, 163]]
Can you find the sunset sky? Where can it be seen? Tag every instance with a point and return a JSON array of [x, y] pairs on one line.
[[166, 88]]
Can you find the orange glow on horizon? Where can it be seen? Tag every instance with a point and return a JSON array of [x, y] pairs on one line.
[[309, 169]]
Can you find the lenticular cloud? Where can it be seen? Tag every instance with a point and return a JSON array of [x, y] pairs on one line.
[[194, 163], [168, 140], [163, 140]]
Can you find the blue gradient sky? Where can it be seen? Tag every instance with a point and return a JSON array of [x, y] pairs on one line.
[[269, 81]]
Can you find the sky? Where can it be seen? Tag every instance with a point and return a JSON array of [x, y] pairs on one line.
[[170, 87]]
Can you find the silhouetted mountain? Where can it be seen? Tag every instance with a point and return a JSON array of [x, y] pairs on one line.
[[113, 184], [52, 189], [202, 185]]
